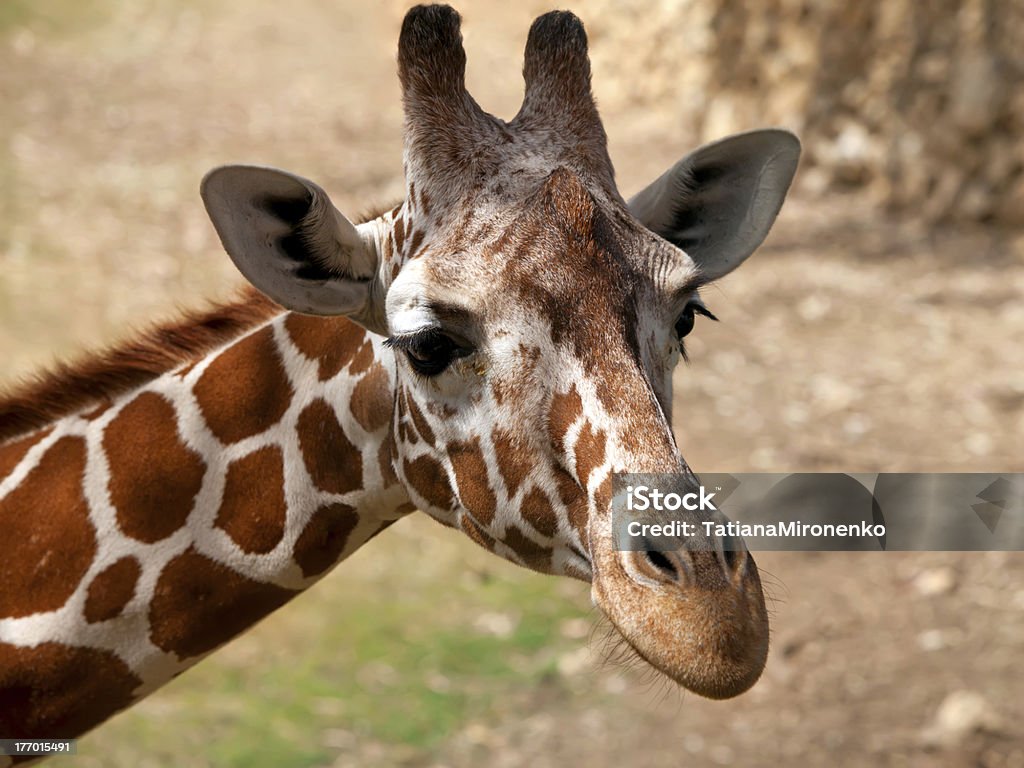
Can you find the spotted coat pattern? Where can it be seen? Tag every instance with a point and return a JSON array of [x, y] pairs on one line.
[[156, 531], [166, 496]]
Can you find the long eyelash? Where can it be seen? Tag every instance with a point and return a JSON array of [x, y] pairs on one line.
[[703, 311], [406, 341], [698, 309]]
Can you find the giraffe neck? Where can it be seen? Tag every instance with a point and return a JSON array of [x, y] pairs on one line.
[[148, 531]]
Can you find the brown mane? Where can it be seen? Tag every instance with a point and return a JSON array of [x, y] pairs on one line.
[[70, 387]]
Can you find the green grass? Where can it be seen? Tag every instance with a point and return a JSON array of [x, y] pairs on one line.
[[396, 659], [51, 16]]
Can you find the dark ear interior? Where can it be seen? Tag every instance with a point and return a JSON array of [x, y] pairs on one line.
[[719, 202], [294, 214], [285, 236]]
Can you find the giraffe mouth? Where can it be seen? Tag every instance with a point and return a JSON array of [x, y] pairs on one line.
[[695, 616]]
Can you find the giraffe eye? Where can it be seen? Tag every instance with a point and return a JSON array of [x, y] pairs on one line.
[[686, 320], [429, 351]]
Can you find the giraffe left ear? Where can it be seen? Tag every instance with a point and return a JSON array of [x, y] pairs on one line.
[[719, 202], [287, 238]]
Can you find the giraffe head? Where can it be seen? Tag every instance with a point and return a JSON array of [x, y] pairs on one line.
[[534, 318]]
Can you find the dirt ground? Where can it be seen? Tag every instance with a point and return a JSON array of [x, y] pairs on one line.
[[850, 342]]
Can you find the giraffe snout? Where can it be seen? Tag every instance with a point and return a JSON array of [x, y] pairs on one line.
[[695, 612]]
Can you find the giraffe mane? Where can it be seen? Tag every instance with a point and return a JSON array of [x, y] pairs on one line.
[[68, 387], [93, 377]]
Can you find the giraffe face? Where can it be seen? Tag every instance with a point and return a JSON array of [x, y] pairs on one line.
[[530, 363], [534, 359], [535, 318]]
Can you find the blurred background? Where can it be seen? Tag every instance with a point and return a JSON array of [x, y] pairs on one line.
[[879, 329]]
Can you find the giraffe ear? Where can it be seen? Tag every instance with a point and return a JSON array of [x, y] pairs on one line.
[[287, 238], [719, 202]]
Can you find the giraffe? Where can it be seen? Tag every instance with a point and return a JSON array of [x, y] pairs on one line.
[[489, 352]]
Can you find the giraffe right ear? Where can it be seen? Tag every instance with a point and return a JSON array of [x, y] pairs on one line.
[[287, 238]]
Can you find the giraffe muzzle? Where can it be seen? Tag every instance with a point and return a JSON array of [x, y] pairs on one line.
[[695, 613]]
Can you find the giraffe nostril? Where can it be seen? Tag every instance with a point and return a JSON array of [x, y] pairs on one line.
[[734, 556]]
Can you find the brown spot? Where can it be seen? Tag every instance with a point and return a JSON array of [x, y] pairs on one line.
[[372, 400], [323, 539], [416, 241], [568, 488], [12, 453], [514, 461], [111, 590], [575, 501], [420, 422], [428, 479], [590, 447], [471, 479], [154, 476], [399, 230], [363, 359], [407, 434], [50, 541], [253, 509], [565, 409], [199, 604], [528, 358], [405, 431], [476, 533], [335, 465], [245, 390], [330, 341], [610, 395], [579, 517], [538, 512], [425, 202], [579, 509], [52, 690], [386, 460], [532, 554], [499, 389]]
